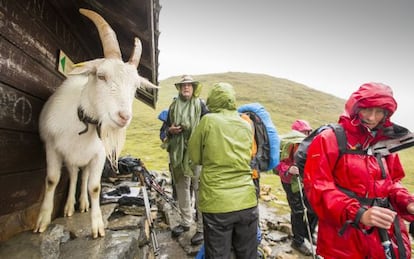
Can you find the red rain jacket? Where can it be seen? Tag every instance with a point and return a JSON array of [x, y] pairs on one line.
[[360, 174]]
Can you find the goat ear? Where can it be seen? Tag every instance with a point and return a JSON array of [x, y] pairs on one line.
[[146, 84], [86, 67]]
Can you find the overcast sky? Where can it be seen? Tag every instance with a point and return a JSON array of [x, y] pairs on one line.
[[330, 45]]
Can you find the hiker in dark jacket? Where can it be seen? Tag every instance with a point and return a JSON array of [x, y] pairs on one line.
[[222, 143], [289, 176], [359, 198]]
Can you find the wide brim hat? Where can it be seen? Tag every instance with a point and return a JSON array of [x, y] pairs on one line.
[[186, 79]]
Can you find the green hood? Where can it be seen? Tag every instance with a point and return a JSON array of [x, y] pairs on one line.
[[293, 137], [221, 97]]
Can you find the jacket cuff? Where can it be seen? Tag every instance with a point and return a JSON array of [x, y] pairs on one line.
[[358, 215]]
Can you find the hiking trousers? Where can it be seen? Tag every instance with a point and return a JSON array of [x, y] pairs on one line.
[[237, 230], [182, 186], [183, 190], [297, 220]]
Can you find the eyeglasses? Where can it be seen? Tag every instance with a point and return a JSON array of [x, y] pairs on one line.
[[186, 85]]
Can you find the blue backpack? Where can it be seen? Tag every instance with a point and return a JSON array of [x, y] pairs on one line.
[[266, 136]]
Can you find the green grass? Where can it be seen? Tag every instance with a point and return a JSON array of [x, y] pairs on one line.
[[285, 101]]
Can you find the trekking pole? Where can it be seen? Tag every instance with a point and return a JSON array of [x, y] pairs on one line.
[[386, 243], [155, 246], [146, 177], [305, 214]]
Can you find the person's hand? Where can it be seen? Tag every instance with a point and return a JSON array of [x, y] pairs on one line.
[[293, 170], [410, 208], [174, 129], [378, 217]]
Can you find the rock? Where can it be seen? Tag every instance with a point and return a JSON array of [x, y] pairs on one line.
[[125, 222], [287, 256], [115, 244], [276, 236], [30, 245]]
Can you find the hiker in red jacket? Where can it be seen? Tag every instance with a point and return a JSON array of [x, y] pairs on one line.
[[358, 197]]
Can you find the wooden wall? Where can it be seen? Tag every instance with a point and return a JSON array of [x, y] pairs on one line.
[[31, 34]]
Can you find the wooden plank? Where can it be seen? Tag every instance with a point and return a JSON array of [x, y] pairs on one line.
[[18, 111], [20, 190], [26, 34], [24, 73], [21, 196], [20, 151], [18, 221], [36, 28]]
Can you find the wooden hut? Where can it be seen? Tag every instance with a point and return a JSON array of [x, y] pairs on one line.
[[38, 39]]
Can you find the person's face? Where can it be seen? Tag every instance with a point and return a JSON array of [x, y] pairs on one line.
[[186, 90], [372, 116], [306, 132]]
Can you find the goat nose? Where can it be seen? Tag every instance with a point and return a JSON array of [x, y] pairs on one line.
[[125, 116]]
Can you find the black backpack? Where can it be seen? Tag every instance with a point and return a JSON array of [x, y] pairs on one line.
[[302, 151], [265, 135], [261, 160]]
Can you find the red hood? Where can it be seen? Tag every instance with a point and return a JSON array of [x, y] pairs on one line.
[[371, 95]]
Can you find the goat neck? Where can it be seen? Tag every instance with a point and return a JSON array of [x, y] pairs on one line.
[[83, 117], [87, 108]]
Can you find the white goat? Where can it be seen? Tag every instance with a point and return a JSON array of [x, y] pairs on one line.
[[85, 121]]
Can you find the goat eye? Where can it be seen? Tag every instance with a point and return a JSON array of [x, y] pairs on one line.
[[102, 77]]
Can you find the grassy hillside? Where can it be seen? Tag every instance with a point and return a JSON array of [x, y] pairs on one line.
[[285, 101]]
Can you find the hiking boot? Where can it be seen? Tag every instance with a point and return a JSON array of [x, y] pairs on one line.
[[197, 239], [178, 230], [313, 240], [302, 248]]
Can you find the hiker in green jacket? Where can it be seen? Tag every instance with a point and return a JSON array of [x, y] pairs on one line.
[[183, 116], [222, 143]]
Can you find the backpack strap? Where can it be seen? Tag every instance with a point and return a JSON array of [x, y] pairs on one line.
[[340, 138], [342, 142]]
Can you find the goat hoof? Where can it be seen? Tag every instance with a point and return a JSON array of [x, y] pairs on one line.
[[43, 222], [98, 228], [100, 233], [39, 229], [69, 212], [83, 210]]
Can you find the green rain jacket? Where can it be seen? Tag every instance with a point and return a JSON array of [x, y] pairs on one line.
[[221, 143]]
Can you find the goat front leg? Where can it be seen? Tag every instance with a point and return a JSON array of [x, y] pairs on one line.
[[71, 199], [83, 198], [94, 188], [54, 163]]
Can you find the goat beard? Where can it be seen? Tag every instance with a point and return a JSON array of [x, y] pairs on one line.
[[113, 140]]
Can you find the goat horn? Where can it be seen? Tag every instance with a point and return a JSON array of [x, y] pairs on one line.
[[136, 53], [109, 41]]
